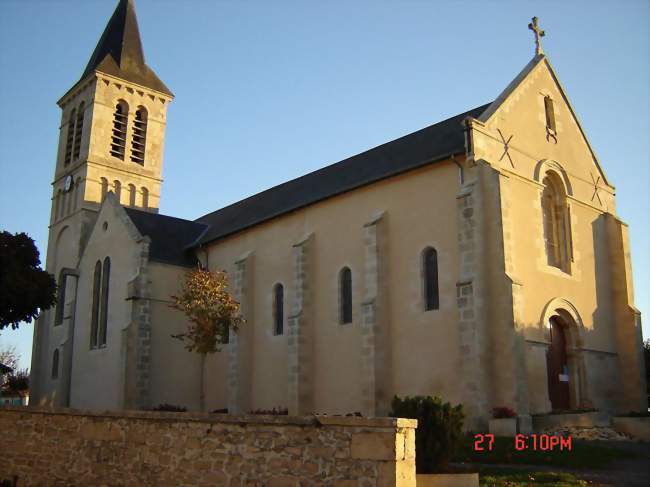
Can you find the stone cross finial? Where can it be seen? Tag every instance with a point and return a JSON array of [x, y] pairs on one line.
[[539, 33]]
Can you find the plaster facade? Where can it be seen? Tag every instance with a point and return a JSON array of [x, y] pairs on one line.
[[487, 343]]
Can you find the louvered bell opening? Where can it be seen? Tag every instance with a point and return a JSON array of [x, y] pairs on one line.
[[69, 139], [78, 132], [138, 142], [118, 138]]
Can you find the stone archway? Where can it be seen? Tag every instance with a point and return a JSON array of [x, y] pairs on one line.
[[561, 322]]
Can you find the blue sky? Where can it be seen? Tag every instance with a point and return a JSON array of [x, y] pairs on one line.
[[268, 91]]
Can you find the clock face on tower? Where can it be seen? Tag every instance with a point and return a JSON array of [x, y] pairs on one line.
[[67, 185]]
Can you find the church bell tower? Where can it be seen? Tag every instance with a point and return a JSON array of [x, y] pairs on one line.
[[110, 139]]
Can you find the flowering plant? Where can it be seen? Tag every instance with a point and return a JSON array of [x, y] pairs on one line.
[[503, 412]]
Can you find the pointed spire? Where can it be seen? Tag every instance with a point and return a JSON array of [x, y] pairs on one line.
[[119, 51]]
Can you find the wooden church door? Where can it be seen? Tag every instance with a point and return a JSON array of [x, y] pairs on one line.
[[558, 368]]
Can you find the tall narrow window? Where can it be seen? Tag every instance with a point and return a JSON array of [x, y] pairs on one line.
[[70, 196], [145, 197], [78, 131], [138, 144], [132, 192], [550, 113], [64, 201], [278, 309], [104, 182], [117, 186], [103, 320], [430, 274], [78, 193], [345, 297], [555, 221], [57, 205], [69, 137], [55, 364], [94, 323], [60, 300], [120, 121]]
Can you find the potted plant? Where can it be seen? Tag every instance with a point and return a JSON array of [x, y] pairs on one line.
[[503, 422]]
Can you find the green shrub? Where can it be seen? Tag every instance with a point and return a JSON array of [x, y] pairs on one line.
[[439, 433]]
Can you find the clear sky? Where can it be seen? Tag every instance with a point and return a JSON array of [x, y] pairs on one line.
[[268, 91]]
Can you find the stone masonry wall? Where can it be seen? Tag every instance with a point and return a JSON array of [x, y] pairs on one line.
[[73, 448]]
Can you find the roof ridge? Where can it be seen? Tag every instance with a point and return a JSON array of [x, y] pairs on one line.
[[425, 146], [330, 166], [144, 212]]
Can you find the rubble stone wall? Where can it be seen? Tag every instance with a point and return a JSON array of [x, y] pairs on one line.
[[128, 448]]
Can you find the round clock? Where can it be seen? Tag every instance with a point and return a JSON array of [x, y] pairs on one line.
[[67, 184]]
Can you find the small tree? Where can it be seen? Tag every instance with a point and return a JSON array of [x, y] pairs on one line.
[[25, 288], [18, 381], [212, 311], [9, 357]]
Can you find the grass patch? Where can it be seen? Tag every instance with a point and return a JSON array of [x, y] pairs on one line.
[[517, 478], [581, 456]]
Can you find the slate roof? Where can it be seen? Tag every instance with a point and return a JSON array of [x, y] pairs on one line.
[[170, 237], [426, 146], [119, 51]]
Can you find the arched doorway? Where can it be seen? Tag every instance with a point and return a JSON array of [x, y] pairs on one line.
[[558, 367], [565, 364]]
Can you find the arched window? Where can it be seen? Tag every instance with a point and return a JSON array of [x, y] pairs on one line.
[[145, 197], [138, 144], [345, 296], [78, 131], [117, 187], [430, 278], [104, 182], [57, 205], [555, 221], [60, 300], [120, 122], [103, 320], [550, 113], [64, 201], [94, 323], [55, 364], [69, 137], [132, 192], [70, 196], [78, 194], [278, 309]]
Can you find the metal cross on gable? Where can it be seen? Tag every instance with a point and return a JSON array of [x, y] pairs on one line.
[[539, 33], [596, 189], [506, 147]]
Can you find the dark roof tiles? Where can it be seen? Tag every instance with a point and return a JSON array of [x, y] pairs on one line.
[[425, 146], [172, 238], [169, 236], [119, 51]]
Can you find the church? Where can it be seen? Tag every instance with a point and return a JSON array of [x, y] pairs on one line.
[[479, 259]]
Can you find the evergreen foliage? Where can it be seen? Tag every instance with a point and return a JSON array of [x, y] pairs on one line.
[[439, 433], [25, 288]]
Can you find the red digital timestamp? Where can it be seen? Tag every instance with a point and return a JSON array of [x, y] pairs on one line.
[[534, 442]]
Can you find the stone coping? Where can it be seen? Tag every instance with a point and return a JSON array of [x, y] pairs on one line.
[[240, 419]]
